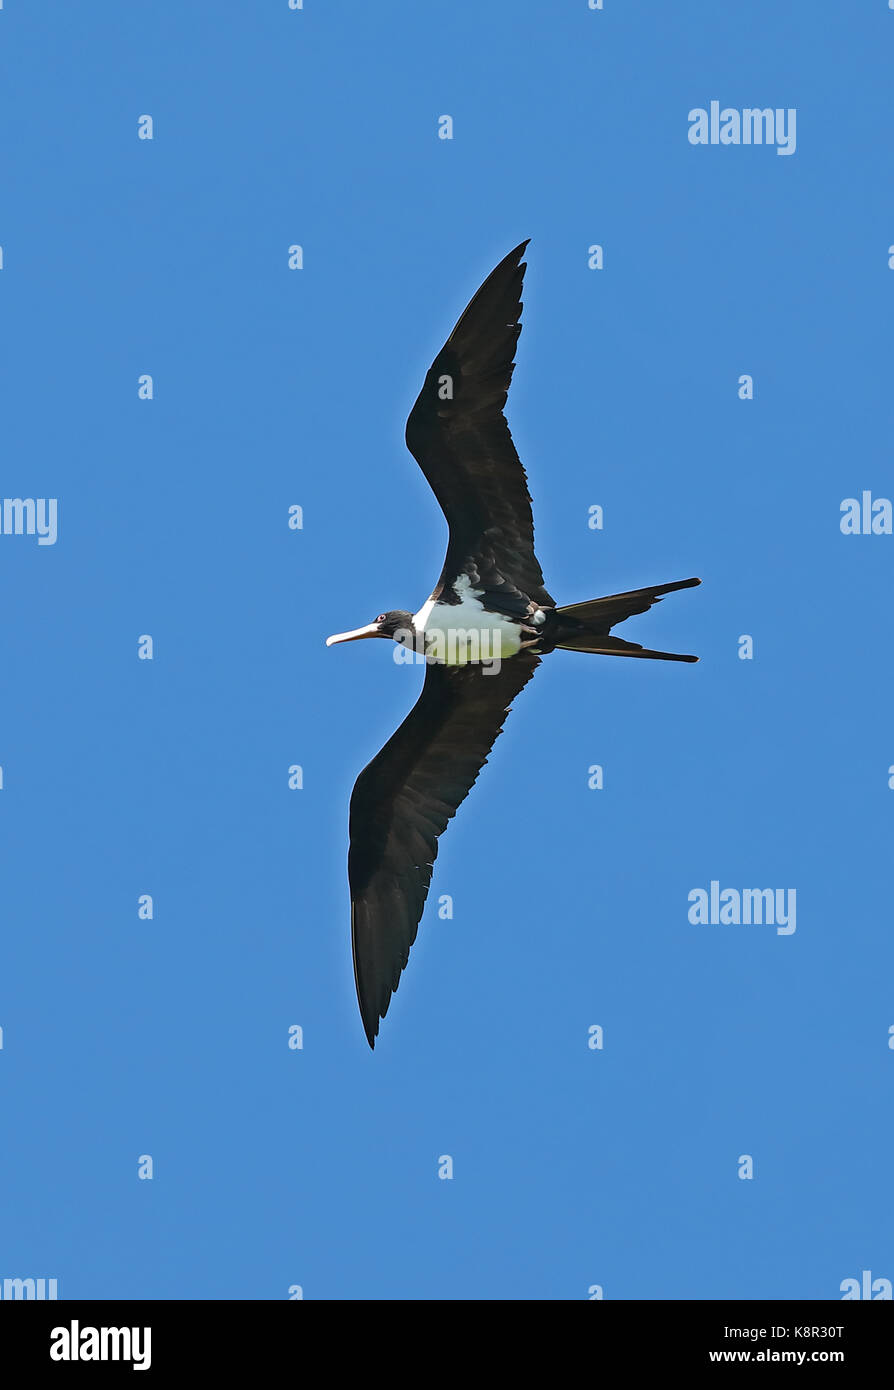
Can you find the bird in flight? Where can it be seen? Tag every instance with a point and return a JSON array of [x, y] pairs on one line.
[[482, 634]]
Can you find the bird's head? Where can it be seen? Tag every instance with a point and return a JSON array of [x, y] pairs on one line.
[[395, 624]]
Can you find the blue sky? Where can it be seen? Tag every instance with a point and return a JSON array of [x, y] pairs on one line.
[[124, 1037]]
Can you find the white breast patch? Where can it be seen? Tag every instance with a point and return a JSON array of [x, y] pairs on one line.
[[460, 633]]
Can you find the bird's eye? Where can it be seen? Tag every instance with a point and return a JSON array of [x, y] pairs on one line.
[[380, 618]]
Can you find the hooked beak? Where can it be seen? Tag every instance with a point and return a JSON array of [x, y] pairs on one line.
[[371, 630]]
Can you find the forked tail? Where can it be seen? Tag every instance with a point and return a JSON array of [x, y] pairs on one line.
[[586, 627]]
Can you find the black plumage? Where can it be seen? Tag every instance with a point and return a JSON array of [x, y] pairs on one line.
[[458, 435], [404, 798], [400, 805]]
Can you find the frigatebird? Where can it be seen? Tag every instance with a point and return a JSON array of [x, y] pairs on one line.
[[482, 633]]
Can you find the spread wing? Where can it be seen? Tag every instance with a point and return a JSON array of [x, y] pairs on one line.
[[402, 802], [458, 434]]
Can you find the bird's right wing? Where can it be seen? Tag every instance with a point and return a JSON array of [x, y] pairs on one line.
[[458, 434], [402, 802]]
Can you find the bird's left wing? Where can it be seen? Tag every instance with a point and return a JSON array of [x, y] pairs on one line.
[[402, 802]]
